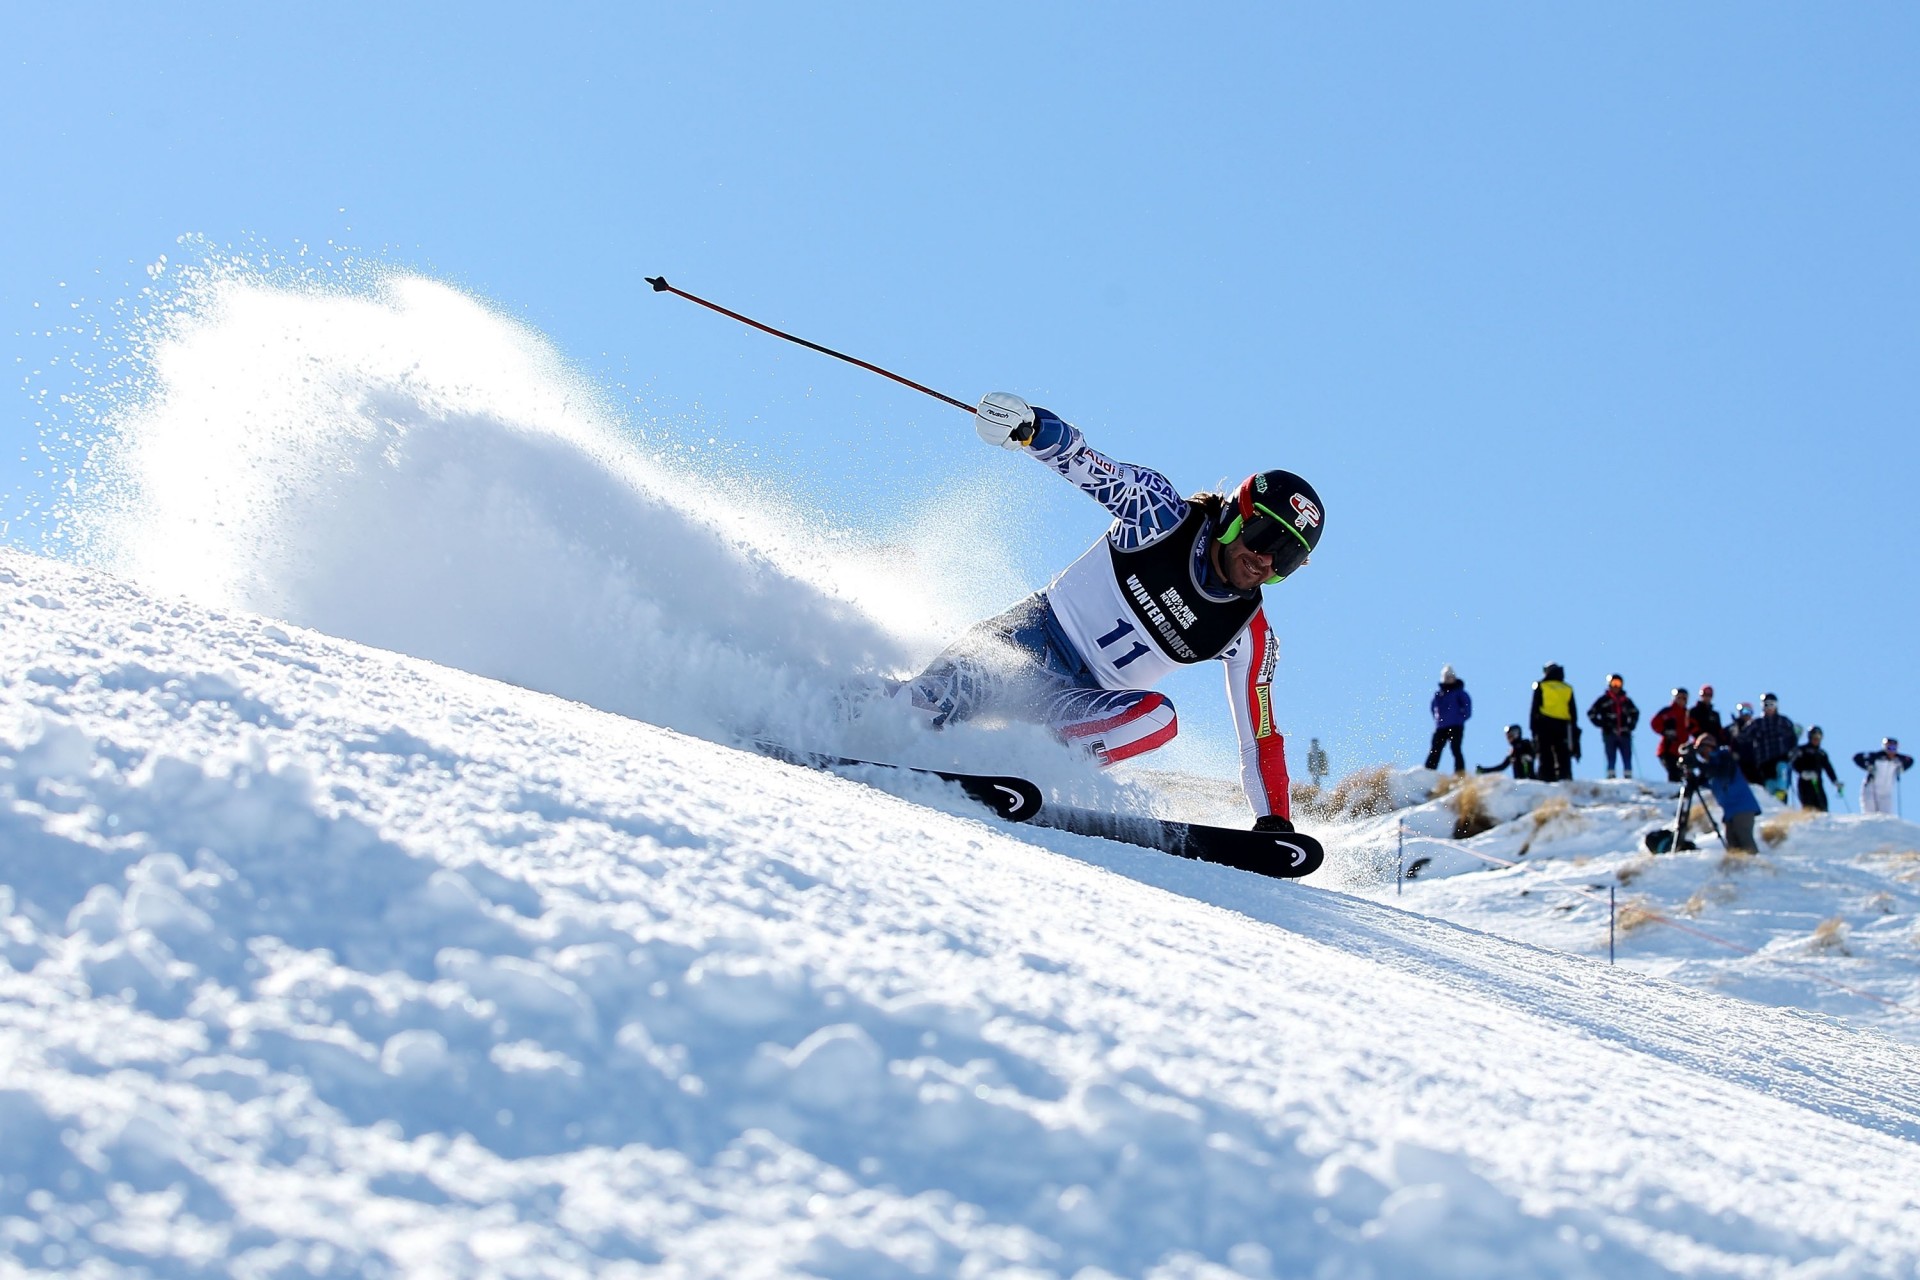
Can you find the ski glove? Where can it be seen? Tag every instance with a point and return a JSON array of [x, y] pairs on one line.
[[1004, 419], [1272, 822]]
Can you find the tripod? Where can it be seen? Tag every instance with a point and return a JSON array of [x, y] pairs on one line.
[[1664, 841]]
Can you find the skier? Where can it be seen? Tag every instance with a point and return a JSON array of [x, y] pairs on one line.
[[1809, 762], [1553, 726], [1451, 708], [1676, 731], [1316, 761], [1174, 581], [1880, 793], [1615, 716], [1519, 756]]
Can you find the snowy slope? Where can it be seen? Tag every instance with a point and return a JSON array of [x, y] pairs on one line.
[[1825, 918], [322, 959]]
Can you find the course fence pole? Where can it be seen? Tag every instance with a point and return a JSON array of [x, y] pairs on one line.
[[1613, 914], [1400, 877]]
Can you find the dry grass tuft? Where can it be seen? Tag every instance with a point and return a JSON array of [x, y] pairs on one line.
[[1470, 816], [1548, 810], [1907, 860], [1830, 935], [1737, 860], [1712, 893], [1635, 913], [1364, 793], [1633, 869], [1774, 831], [1882, 902]]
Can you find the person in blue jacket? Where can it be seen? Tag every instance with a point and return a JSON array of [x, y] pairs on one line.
[[1720, 770], [1451, 708]]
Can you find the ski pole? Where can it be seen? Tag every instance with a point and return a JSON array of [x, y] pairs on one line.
[[660, 285]]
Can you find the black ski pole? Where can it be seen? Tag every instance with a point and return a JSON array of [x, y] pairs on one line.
[[660, 285]]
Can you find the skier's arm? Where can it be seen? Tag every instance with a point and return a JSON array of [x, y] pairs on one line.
[[1263, 750], [1826, 762], [1144, 503]]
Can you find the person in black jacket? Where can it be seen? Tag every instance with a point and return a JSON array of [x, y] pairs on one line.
[[1704, 717], [1519, 756], [1615, 716], [1739, 737], [1809, 762]]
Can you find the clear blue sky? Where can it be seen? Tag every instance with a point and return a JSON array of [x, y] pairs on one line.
[[1598, 328]]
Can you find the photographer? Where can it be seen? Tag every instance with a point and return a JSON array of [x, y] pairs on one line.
[[1714, 766]]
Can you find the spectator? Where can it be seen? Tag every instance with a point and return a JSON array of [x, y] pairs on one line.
[[1738, 808], [1739, 736], [1675, 730], [1880, 793], [1703, 717], [1451, 708], [1615, 716], [1808, 763], [1773, 738], [1316, 762], [1519, 756], [1552, 721]]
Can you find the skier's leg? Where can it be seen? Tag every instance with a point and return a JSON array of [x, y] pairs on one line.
[[1114, 724], [1002, 664], [1454, 737], [1433, 748]]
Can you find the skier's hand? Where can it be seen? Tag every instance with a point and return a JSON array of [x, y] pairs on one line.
[[1272, 822], [1004, 419], [1841, 787]]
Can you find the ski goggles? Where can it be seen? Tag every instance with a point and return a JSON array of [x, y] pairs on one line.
[[1266, 534]]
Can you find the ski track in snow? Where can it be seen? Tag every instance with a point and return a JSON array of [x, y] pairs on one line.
[[324, 959]]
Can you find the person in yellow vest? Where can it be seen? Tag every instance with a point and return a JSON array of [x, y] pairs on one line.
[[1555, 736]]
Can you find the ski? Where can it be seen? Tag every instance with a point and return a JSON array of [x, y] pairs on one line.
[[1015, 799], [1281, 855]]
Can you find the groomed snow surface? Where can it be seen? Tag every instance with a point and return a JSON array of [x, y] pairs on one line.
[[325, 960]]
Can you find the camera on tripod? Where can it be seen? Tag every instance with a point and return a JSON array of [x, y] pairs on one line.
[[1693, 771]]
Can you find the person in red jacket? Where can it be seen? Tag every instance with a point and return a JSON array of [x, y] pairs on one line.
[[1674, 725]]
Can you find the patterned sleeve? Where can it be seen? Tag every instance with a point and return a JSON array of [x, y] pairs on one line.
[[1144, 503]]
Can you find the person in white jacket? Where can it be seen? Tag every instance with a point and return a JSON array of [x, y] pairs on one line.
[[1880, 792], [1174, 581]]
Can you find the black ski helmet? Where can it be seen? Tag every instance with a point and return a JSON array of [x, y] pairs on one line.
[[1274, 513]]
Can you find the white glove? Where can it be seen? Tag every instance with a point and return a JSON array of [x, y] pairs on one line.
[[1004, 419]]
